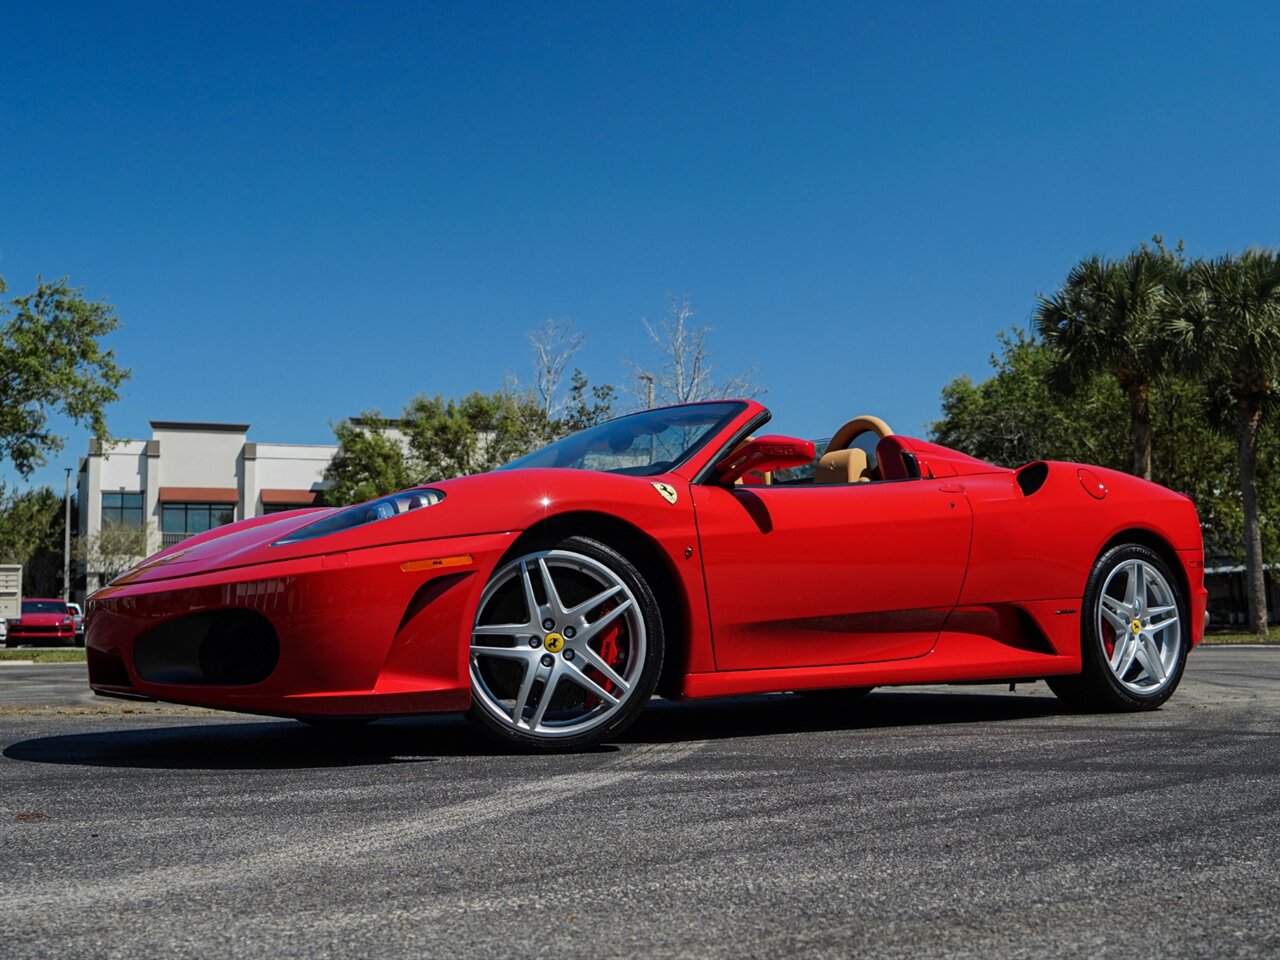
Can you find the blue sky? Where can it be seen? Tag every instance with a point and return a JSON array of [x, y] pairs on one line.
[[303, 211]]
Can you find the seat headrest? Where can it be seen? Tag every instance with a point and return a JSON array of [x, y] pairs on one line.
[[842, 466], [889, 459]]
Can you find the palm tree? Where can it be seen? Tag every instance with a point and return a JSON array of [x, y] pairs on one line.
[[1106, 318], [1227, 324]]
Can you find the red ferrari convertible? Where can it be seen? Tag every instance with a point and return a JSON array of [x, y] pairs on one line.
[[670, 552]]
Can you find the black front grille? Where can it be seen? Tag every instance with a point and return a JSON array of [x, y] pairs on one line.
[[223, 647]]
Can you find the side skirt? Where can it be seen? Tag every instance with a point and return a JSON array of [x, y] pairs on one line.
[[972, 648]]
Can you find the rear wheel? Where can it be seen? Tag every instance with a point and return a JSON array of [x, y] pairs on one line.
[[1133, 635], [566, 648]]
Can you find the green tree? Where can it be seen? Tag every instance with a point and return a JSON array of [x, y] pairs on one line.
[[370, 462], [1016, 416], [434, 439], [1109, 316], [587, 405], [52, 360], [31, 531], [479, 432], [1228, 326]]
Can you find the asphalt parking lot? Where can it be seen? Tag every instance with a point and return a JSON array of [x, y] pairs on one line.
[[953, 821]]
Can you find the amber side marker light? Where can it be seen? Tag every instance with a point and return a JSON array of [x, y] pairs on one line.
[[461, 560]]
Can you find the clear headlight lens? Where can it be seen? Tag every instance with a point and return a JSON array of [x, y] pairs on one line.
[[381, 509]]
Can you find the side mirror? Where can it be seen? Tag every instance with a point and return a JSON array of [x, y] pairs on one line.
[[763, 453]]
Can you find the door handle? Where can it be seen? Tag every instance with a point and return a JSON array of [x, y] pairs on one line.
[[952, 488]]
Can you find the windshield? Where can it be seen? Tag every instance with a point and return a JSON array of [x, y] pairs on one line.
[[642, 444], [43, 606]]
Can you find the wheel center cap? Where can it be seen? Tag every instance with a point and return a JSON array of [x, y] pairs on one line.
[[1136, 627], [554, 642]]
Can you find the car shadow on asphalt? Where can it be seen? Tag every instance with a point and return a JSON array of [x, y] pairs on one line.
[[774, 715], [255, 744]]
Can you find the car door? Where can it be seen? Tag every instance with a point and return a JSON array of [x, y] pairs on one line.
[[818, 575]]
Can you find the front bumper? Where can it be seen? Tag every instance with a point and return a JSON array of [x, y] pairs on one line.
[[371, 632], [40, 635]]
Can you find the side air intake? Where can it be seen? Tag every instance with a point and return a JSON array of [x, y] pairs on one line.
[[1032, 477]]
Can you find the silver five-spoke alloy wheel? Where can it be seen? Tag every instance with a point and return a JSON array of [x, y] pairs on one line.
[[1141, 626], [1134, 633], [558, 645]]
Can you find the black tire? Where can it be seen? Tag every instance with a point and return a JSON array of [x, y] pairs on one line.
[[644, 631], [1097, 687]]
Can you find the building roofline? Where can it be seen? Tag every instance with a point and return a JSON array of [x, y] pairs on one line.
[[198, 425]]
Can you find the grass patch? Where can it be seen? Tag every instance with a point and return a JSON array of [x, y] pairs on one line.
[[1224, 636], [44, 654]]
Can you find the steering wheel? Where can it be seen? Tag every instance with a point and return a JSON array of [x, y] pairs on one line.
[[855, 428]]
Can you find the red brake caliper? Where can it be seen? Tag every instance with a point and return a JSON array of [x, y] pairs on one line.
[[611, 652]]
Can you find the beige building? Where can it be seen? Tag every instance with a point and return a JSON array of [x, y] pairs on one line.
[[188, 478]]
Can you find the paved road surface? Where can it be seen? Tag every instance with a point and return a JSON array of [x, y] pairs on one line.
[[962, 821]]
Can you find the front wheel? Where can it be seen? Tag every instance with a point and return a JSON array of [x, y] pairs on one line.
[[566, 648], [1134, 633]]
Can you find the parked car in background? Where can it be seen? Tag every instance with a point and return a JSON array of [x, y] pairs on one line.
[[78, 616], [43, 622]]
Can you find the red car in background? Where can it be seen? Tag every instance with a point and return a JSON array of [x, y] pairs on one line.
[[43, 622]]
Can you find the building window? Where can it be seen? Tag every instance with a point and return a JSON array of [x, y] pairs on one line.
[[123, 508], [185, 519], [283, 507]]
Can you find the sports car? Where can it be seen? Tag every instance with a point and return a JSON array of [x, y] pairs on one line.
[[672, 551], [42, 621]]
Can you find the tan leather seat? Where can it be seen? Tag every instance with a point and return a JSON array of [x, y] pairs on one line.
[[843, 466]]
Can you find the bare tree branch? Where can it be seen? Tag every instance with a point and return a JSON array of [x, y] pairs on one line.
[[554, 344], [113, 549], [684, 372]]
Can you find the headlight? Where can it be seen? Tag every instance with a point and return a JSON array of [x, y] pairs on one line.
[[362, 513]]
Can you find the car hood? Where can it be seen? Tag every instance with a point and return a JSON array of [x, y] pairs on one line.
[[43, 619], [498, 502]]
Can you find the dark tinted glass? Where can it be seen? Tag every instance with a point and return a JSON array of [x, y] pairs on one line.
[[643, 444]]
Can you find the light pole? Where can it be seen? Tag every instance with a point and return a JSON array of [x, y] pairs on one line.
[[653, 440], [648, 378], [66, 540]]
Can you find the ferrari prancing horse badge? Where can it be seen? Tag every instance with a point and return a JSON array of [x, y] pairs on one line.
[[667, 490]]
